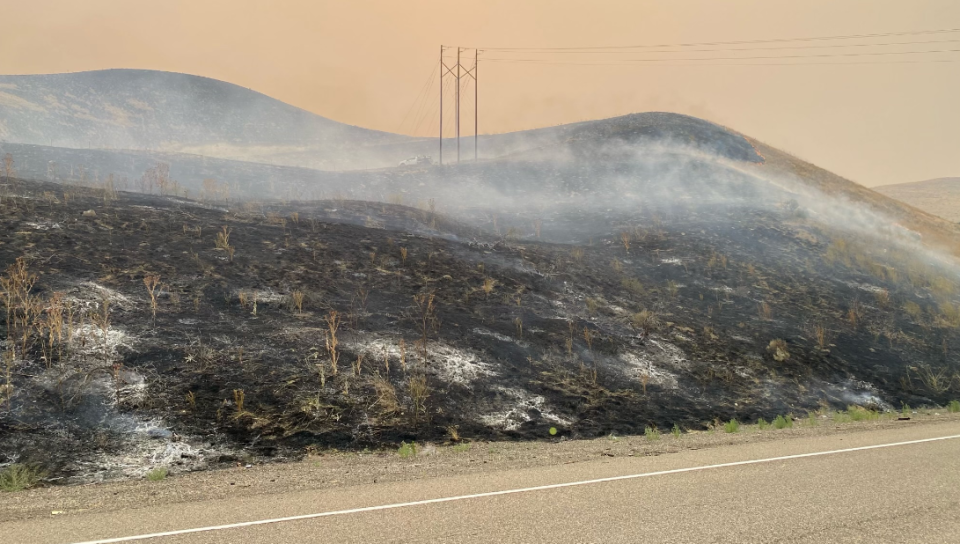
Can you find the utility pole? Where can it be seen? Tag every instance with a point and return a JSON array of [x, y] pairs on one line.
[[458, 103], [459, 71], [476, 102], [441, 105]]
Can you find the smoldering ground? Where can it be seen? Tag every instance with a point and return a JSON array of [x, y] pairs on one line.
[[642, 282]]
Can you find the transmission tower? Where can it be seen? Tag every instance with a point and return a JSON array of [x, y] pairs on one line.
[[458, 72]]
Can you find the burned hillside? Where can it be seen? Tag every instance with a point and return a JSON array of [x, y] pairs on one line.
[[144, 330]]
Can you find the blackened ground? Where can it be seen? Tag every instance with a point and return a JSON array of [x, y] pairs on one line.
[[581, 321]]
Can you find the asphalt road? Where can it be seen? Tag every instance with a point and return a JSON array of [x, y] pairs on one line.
[[897, 494]]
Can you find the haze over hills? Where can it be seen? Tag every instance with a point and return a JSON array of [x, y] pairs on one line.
[[122, 123], [939, 196], [572, 160], [133, 118], [164, 111], [648, 270], [144, 110]]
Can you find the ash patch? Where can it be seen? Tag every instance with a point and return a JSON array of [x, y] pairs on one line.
[[92, 342], [637, 365], [122, 448], [523, 407], [450, 363], [46, 225], [456, 365], [89, 292], [855, 392], [666, 354], [502, 337]]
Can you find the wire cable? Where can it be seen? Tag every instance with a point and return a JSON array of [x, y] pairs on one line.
[[740, 42], [636, 65], [756, 57], [421, 96], [427, 92], [711, 50], [430, 112]]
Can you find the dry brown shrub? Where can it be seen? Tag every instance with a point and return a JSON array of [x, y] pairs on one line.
[[778, 350], [297, 298], [645, 320], [765, 311], [419, 392], [577, 254], [387, 400]]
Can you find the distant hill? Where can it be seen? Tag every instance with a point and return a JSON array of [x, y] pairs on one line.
[[144, 110], [163, 111], [939, 196], [83, 127], [795, 173], [92, 167], [661, 159]]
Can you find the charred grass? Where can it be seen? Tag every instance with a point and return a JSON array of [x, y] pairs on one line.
[[222, 316]]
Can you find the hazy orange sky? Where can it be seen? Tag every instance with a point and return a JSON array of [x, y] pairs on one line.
[[364, 62]]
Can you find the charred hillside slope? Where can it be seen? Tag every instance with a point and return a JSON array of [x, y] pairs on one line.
[[652, 289]]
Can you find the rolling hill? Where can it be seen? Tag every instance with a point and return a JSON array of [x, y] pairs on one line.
[[602, 278], [170, 112], [940, 197]]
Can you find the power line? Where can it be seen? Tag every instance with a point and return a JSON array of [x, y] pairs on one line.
[[710, 50], [740, 42], [547, 56], [421, 98], [431, 105], [757, 57], [429, 112], [462, 74], [636, 65], [463, 88], [423, 105], [449, 96]]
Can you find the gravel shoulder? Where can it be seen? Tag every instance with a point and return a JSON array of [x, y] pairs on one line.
[[332, 469]]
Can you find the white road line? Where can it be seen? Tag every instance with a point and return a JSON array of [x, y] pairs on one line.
[[504, 492]]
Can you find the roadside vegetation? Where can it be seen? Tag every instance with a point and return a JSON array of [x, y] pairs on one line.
[[158, 474], [18, 476]]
